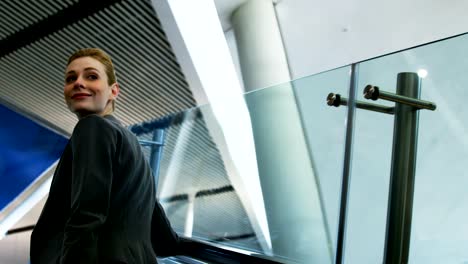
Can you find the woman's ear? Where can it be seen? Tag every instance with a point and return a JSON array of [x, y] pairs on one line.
[[115, 90]]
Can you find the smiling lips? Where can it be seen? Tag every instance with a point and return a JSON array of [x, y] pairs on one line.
[[80, 96]]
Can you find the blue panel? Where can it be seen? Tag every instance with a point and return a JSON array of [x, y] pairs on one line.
[[26, 150]]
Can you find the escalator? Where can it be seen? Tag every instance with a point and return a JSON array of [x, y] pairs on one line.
[[198, 252]]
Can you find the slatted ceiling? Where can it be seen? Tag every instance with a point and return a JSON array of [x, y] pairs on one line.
[[160, 54], [54, 4], [37, 52], [37, 69], [62, 4], [158, 57], [33, 94], [201, 165], [152, 86], [151, 80], [42, 46], [3, 32], [151, 21], [202, 168], [140, 75], [29, 77], [12, 22], [44, 7], [160, 70], [17, 15], [235, 220]]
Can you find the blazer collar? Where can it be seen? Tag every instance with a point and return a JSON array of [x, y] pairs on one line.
[[113, 119]]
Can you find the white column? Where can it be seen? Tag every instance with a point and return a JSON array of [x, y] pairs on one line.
[[295, 216], [196, 33], [260, 47]]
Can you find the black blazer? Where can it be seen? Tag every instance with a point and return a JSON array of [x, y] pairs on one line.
[[102, 206]]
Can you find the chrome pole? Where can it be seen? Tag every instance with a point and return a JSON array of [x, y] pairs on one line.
[[401, 192]]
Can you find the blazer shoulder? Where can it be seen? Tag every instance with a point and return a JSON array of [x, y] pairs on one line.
[[94, 126], [93, 122]]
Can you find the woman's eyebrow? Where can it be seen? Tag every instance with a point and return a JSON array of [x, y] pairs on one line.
[[85, 69], [91, 68]]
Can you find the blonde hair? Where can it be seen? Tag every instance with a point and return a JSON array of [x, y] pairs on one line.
[[102, 57]]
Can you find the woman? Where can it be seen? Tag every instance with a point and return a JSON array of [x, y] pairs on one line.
[[101, 206]]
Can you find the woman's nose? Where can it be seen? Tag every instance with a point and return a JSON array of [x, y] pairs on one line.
[[78, 83]]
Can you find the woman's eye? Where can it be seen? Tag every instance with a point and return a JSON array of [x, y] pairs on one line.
[[92, 77], [70, 79]]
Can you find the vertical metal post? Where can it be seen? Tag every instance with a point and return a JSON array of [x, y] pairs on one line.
[[340, 248], [405, 138], [156, 154]]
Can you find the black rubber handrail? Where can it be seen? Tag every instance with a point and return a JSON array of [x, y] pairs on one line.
[[20, 229], [215, 254], [201, 193], [200, 250]]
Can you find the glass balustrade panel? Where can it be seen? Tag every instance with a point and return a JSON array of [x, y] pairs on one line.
[[438, 233], [260, 172]]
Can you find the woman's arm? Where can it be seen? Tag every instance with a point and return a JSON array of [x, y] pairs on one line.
[[93, 146], [165, 240]]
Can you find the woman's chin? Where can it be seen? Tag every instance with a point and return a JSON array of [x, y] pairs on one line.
[[77, 107], [82, 112]]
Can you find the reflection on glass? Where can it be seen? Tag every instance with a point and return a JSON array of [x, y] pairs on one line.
[[439, 230], [194, 186], [277, 191], [422, 73], [438, 233], [298, 146], [370, 170], [324, 127]]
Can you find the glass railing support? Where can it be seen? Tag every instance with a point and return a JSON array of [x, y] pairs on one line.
[[346, 183], [337, 100], [374, 93], [403, 170], [146, 143], [156, 153], [405, 138]]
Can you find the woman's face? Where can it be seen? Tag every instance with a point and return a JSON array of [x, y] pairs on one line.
[[86, 89]]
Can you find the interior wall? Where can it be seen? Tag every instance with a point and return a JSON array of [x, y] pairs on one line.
[[322, 35], [14, 249], [231, 42], [319, 36]]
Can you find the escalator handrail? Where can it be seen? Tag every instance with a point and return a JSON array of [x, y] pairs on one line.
[[215, 253], [202, 250]]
